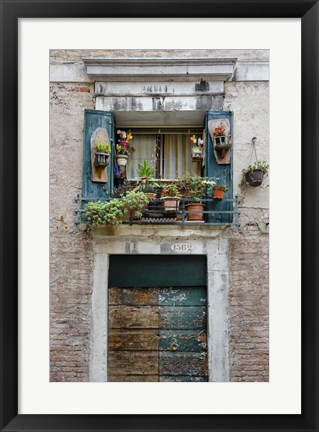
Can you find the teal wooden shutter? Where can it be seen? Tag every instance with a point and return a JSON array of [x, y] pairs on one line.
[[93, 120], [224, 172]]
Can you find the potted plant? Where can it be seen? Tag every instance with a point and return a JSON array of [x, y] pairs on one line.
[[101, 155], [197, 147], [194, 188], [153, 192], [145, 171], [219, 191], [254, 173], [134, 202], [117, 210], [122, 148], [171, 199]]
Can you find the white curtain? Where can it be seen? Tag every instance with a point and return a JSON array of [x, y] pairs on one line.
[[142, 147], [176, 155]]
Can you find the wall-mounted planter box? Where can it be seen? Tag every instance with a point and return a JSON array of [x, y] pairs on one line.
[[221, 145], [220, 133], [99, 143], [101, 159]]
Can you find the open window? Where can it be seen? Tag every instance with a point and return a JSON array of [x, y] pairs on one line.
[[168, 151]]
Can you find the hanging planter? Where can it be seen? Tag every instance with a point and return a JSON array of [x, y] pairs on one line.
[[219, 191], [254, 174], [254, 177]]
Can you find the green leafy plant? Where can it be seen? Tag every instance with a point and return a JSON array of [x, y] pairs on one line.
[[209, 184], [103, 148], [120, 150], [105, 213], [145, 170], [115, 211], [223, 187], [249, 179], [258, 165], [193, 187], [134, 202], [170, 190]]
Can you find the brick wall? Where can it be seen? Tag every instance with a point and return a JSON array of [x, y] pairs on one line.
[[248, 306], [70, 247]]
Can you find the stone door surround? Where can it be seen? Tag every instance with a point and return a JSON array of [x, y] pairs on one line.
[[130, 240]]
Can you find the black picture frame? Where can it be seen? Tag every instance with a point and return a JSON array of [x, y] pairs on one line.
[[11, 11]]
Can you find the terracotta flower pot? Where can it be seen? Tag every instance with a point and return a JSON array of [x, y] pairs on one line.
[[196, 210], [171, 204], [218, 192]]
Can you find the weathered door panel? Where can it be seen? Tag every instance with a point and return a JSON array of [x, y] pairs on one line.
[[174, 317], [157, 334], [133, 363], [184, 364], [183, 296], [182, 378], [133, 297], [134, 317], [133, 340], [183, 340]]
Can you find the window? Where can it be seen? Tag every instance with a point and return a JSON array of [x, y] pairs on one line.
[[169, 153]]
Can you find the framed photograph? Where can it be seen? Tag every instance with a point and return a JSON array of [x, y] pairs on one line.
[[159, 214]]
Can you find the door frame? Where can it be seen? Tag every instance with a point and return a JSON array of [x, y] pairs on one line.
[[217, 272]]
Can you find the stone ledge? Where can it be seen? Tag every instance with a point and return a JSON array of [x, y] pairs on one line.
[[163, 69], [175, 232], [240, 71]]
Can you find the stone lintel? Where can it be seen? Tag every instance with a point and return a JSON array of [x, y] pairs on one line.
[[162, 69]]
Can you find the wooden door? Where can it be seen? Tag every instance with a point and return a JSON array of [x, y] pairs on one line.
[[157, 334]]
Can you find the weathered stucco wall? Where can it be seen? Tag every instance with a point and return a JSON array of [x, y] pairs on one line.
[[71, 248], [249, 102]]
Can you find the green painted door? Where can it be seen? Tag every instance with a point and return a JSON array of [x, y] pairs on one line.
[[157, 333]]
